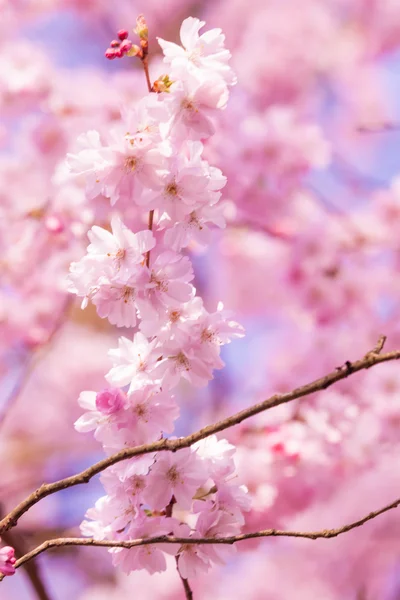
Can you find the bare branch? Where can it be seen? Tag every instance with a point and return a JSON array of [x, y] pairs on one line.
[[168, 539], [369, 360]]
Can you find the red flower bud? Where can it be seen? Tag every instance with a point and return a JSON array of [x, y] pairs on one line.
[[123, 34], [125, 46], [110, 53]]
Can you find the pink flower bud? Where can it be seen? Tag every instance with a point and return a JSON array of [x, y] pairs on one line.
[[110, 401], [126, 45], [53, 224], [123, 34], [110, 53], [114, 44], [7, 560], [119, 53]]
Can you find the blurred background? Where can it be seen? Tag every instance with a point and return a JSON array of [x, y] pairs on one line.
[[309, 263]]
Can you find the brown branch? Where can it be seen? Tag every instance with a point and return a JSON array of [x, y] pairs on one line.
[[168, 539], [372, 358], [150, 227], [145, 64], [185, 582]]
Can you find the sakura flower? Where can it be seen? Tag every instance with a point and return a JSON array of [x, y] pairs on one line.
[[218, 455], [113, 272], [215, 330], [169, 281], [151, 411], [194, 559], [150, 557], [102, 409], [7, 560], [184, 187], [115, 298], [122, 247], [191, 560], [192, 103], [105, 518], [180, 361], [193, 226], [173, 324], [133, 362], [213, 523], [125, 483], [233, 499], [119, 169], [179, 475], [205, 52]]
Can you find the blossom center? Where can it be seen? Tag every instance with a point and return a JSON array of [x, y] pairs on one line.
[[128, 293], [131, 163], [188, 104], [141, 411], [172, 189], [173, 474], [174, 316], [182, 361], [161, 284]]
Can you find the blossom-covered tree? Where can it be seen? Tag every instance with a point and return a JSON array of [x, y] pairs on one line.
[[257, 178]]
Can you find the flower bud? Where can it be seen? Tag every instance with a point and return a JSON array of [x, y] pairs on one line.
[[114, 44], [110, 401], [7, 560], [141, 28], [110, 53], [54, 224], [122, 34], [125, 46]]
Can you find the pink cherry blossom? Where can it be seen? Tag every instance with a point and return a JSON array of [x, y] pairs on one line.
[[205, 52], [151, 411], [178, 475], [133, 362], [149, 557]]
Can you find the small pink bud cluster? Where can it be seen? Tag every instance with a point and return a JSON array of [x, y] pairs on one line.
[[123, 46], [7, 560], [118, 48], [155, 162]]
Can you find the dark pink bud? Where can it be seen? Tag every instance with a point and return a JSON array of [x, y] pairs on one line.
[[125, 46], [110, 53], [123, 34], [109, 401], [7, 561], [119, 53], [114, 44]]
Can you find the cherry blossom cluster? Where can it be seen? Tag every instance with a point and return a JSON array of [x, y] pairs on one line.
[[154, 160]]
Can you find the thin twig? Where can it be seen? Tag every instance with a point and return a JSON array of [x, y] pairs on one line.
[[145, 64], [369, 360], [185, 582], [150, 227], [168, 539]]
